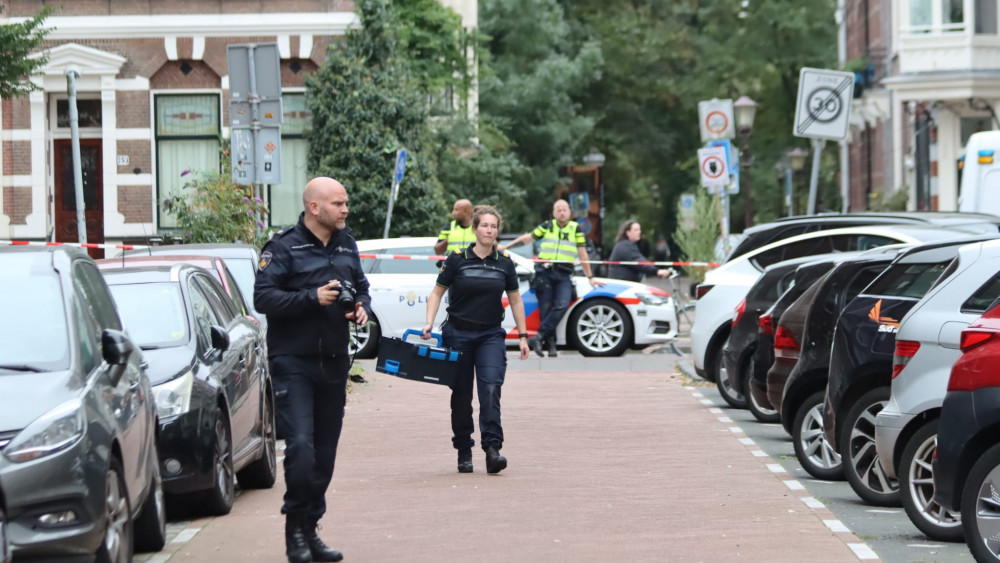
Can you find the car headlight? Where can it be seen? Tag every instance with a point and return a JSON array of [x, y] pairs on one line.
[[653, 300], [54, 431], [174, 397]]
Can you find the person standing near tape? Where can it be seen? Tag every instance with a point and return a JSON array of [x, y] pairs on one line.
[[307, 273], [562, 242], [476, 279], [627, 250], [457, 234]]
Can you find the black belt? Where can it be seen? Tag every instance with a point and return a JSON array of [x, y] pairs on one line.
[[466, 325]]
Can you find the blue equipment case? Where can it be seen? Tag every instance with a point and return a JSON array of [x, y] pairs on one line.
[[419, 362]]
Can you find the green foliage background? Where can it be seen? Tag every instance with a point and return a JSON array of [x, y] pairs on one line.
[[17, 41]]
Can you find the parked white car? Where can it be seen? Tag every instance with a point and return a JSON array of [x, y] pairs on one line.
[[927, 346], [726, 285], [602, 321]]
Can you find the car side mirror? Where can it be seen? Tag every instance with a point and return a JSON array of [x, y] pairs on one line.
[[115, 347], [220, 338]]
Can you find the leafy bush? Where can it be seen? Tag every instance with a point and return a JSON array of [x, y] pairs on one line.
[[698, 244], [215, 209]]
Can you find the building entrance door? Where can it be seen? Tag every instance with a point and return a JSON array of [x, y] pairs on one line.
[[93, 193]]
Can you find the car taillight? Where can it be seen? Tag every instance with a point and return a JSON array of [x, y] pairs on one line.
[[905, 350], [740, 309], [701, 290], [972, 338], [766, 324], [785, 345]]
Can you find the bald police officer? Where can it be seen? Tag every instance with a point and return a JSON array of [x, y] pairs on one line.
[[457, 235], [306, 273], [561, 242]]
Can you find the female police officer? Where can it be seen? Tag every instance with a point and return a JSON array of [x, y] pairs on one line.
[[477, 277]]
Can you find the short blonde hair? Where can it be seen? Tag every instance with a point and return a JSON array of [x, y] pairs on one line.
[[481, 210]]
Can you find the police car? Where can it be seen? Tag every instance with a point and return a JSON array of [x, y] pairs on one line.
[[602, 321]]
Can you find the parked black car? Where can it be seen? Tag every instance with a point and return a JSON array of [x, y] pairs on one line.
[[759, 403], [802, 398], [967, 461], [761, 235], [77, 418], [213, 389], [861, 362], [742, 342]]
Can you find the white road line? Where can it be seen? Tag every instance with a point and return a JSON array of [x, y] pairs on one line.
[[747, 441], [926, 545], [836, 526], [725, 419], [794, 485], [758, 453], [776, 468], [812, 502], [185, 535], [862, 551], [883, 511], [696, 394], [689, 387], [735, 429], [715, 410], [706, 402]]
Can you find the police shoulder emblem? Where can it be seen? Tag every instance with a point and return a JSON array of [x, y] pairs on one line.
[[265, 259]]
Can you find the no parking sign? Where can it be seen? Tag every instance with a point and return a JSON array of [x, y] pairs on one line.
[[712, 163]]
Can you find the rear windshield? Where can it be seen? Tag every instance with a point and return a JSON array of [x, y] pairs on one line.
[[907, 280], [35, 332], [153, 313], [245, 274]]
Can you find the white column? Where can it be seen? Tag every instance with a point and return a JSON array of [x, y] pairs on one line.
[[898, 169], [948, 150], [38, 220], [113, 220]]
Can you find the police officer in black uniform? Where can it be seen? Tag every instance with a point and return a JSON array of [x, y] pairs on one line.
[[477, 278], [310, 285]]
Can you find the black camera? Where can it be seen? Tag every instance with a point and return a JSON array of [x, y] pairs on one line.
[[346, 297]]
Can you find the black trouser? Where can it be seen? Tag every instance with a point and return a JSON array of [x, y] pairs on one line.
[[483, 361], [310, 393]]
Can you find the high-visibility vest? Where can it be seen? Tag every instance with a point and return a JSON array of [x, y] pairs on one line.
[[557, 243], [458, 237]]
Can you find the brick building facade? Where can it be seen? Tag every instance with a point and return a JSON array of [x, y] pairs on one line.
[[153, 99]]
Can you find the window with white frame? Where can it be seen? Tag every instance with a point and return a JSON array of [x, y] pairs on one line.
[[986, 17], [286, 197], [187, 144], [936, 16]]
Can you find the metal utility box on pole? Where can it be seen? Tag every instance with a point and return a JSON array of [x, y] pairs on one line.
[[255, 114], [72, 73], [822, 113]]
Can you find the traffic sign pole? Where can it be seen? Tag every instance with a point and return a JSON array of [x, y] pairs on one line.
[[814, 177], [397, 176]]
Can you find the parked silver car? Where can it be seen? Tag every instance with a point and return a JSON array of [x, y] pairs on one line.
[[5, 554], [78, 458], [927, 345]]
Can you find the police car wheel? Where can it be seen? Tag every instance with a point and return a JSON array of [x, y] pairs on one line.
[[364, 344], [600, 327]]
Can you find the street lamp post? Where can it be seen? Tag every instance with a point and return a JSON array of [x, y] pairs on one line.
[[746, 110], [796, 162]]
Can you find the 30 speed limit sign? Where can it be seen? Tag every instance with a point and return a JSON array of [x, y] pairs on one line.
[[823, 106]]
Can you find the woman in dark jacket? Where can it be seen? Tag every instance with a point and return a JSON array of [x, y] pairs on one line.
[[626, 250]]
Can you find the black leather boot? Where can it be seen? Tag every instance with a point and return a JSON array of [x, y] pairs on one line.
[[296, 547], [495, 463], [553, 352], [465, 460], [319, 550], [535, 343]]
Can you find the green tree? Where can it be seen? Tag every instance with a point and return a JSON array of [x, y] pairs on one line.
[[17, 41], [528, 89], [366, 105], [698, 244], [432, 40]]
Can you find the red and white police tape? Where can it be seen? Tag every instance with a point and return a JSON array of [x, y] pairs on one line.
[[360, 255]]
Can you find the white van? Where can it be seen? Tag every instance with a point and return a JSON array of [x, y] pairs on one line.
[[980, 188]]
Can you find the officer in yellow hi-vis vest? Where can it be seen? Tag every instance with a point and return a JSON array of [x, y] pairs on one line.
[[458, 234], [561, 242]]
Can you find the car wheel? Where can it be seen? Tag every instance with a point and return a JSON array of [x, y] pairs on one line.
[[730, 394], [713, 355], [980, 508], [761, 412], [857, 446], [599, 327], [151, 525], [262, 473], [364, 339], [916, 485], [117, 544], [815, 454], [220, 497]]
